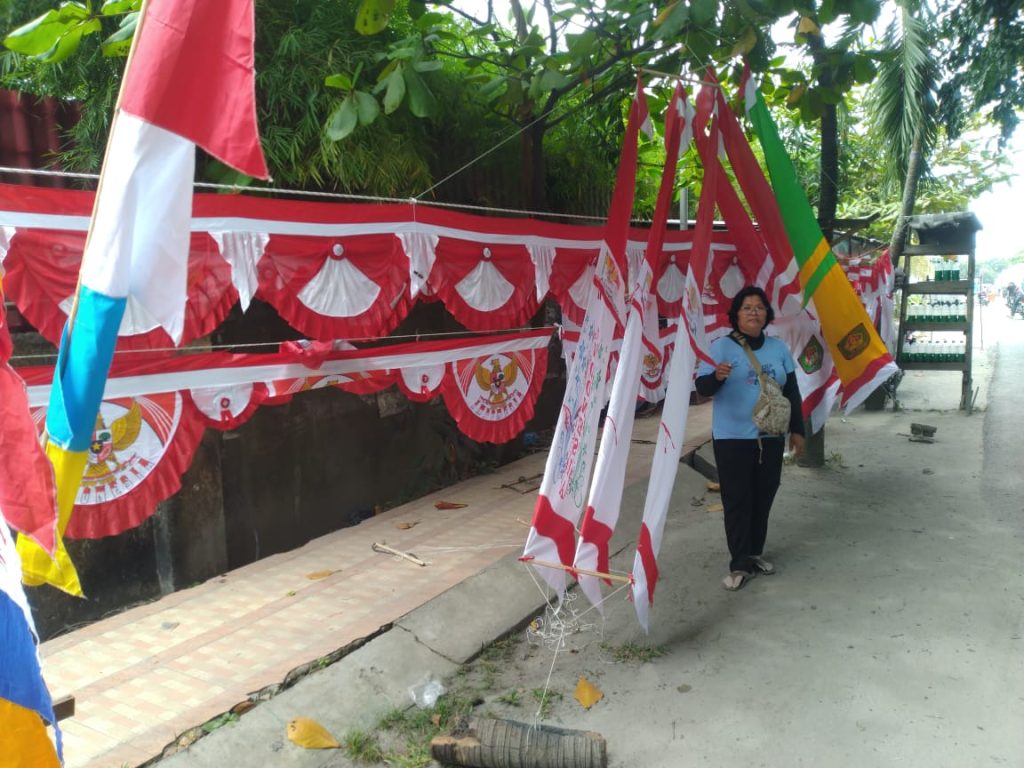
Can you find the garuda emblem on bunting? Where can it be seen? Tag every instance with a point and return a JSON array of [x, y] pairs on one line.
[[492, 397], [140, 448]]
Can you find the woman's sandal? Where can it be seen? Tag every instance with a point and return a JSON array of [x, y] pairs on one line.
[[736, 580]]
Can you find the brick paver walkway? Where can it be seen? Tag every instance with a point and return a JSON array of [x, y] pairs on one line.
[[144, 676]]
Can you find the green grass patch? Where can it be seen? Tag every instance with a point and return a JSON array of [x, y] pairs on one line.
[[545, 700], [362, 746], [633, 652]]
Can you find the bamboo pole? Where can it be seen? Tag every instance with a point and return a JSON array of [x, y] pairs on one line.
[[620, 578]]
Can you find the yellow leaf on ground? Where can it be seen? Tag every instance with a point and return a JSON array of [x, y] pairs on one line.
[[309, 734], [319, 575], [405, 526], [713, 487], [715, 508], [587, 693]]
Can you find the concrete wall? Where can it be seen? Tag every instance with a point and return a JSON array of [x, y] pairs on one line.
[[324, 461]]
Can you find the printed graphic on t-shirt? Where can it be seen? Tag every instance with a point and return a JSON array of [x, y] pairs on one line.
[[752, 374]]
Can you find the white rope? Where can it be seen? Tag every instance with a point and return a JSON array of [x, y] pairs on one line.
[[559, 622]]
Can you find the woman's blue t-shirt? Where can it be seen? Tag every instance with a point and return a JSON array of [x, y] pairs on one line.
[[732, 413]]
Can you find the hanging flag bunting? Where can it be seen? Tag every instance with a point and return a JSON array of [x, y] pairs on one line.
[[156, 407], [602, 512], [551, 543], [861, 359], [190, 81], [25, 702]]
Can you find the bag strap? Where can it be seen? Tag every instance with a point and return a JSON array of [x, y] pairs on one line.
[[738, 338]]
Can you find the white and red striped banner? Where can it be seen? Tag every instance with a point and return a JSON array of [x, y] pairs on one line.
[[551, 544]]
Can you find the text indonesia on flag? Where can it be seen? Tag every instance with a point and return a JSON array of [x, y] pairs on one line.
[[189, 82]]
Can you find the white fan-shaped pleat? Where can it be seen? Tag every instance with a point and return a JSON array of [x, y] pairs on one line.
[[485, 289], [732, 281], [136, 319], [243, 251], [581, 289], [634, 258], [672, 283], [423, 379], [213, 402], [6, 235], [543, 257], [339, 289], [421, 249]]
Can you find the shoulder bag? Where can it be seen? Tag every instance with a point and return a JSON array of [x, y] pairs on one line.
[[772, 409]]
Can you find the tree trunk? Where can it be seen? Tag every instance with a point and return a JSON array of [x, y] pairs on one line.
[[828, 194], [899, 233], [533, 189], [485, 743], [828, 200]]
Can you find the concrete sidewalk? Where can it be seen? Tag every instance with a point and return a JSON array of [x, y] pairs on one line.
[[146, 679]]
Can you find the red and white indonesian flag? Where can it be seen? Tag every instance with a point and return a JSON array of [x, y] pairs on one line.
[[671, 435], [190, 82], [604, 504], [781, 278], [551, 544], [700, 258]]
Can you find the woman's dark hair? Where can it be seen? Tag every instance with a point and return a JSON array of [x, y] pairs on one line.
[[737, 302]]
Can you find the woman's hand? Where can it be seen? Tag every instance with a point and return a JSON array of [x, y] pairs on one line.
[[796, 444], [722, 371]]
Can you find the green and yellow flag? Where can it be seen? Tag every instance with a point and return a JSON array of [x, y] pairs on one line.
[[860, 356]]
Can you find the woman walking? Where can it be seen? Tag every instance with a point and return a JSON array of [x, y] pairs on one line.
[[749, 460]]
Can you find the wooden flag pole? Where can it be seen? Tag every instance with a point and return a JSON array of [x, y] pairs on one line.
[[617, 577]]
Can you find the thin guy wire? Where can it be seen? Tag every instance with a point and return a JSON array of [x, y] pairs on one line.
[[326, 195]]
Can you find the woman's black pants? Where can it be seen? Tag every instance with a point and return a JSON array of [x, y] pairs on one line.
[[749, 476]]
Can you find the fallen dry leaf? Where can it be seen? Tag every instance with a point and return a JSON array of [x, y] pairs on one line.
[[587, 693], [715, 508], [406, 526], [242, 707], [319, 575], [309, 734], [449, 505], [436, 720], [713, 487]]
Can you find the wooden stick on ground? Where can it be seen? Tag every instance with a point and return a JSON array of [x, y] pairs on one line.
[[379, 546], [486, 743]]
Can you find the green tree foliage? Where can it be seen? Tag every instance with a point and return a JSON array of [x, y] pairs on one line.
[[392, 97], [984, 52]]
